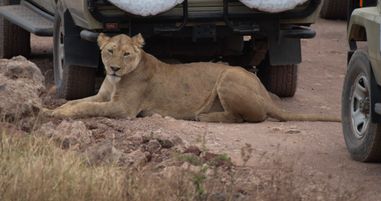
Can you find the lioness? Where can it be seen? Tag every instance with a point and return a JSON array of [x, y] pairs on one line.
[[138, 84]]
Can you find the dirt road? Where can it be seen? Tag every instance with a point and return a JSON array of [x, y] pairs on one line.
[[314, 151]]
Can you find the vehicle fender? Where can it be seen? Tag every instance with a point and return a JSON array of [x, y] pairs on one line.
[[364, 26], [80, 14]]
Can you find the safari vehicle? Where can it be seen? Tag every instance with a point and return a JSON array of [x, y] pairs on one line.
[[193, 30], [361, 98]]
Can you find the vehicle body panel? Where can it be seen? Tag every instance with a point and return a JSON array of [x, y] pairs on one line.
[[47, 5], [365, 26], [83, 18]]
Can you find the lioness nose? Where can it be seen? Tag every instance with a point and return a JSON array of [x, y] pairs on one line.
[[115, 68]]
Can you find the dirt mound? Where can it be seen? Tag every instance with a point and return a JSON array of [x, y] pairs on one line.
[[21, 86], [118, 141]]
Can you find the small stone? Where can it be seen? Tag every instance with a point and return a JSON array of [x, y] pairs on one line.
[[293, 131], [136, 138], [169, 118], [276, 129], [104, 153], [69, 134], [167, 141], [153, 146], [138, 158], [193, 150], [156, 116], [218, 197]]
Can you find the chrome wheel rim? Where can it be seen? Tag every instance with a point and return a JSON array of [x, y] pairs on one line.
[[360, 106]]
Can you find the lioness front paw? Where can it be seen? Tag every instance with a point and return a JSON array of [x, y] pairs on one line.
[[202, 117], [61, 113], [46, 112]]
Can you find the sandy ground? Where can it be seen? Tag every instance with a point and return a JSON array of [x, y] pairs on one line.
[[314, 150]]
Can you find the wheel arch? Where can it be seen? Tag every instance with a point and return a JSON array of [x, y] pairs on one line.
[[357, 32]]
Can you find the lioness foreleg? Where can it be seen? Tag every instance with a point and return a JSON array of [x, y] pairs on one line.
[[103, 95], [92, 109]]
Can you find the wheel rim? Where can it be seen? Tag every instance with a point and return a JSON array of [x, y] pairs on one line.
[[60, 54], [360, 106]]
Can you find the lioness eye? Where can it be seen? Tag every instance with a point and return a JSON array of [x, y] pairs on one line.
[[110, 51], [126, 54]]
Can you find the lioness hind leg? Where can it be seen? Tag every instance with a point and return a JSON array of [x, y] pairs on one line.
[[221, 117], [243, 95]]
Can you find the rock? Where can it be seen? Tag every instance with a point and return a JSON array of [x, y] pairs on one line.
[[69, 134], [166, 141], [169, 118], [218, 197], [139, 138], [20, 68], [137, 158], [21, 85], [293, 131], [153, 146], [193, 150], [157, 116], [103, 153]]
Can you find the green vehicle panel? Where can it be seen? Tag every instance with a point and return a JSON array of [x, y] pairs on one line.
[[365, 26], [361, 94]]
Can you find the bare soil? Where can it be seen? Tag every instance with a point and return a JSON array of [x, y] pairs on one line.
[[315, 151]]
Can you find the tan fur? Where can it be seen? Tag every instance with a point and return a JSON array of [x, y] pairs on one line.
[[143, 85]]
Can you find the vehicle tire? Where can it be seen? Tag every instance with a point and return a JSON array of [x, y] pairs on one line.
[[334, 9], [280, 80], [72, 82], [362, 136], [14, 40]]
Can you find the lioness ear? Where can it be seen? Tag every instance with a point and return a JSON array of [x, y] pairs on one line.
[[138, 40], [102, 40]]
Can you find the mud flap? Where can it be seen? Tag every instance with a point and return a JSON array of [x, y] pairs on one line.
[[79, 52], [285, 51]]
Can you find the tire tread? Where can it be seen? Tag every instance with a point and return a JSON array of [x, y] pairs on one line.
[[14, 40], [334, 9], [281, 80]]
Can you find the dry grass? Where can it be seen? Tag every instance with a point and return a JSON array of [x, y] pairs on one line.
[[34, 169]]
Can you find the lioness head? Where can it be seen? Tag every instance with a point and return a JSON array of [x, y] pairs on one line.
[[121, 54]]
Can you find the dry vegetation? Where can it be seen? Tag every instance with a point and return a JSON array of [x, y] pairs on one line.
[[34, 168]]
